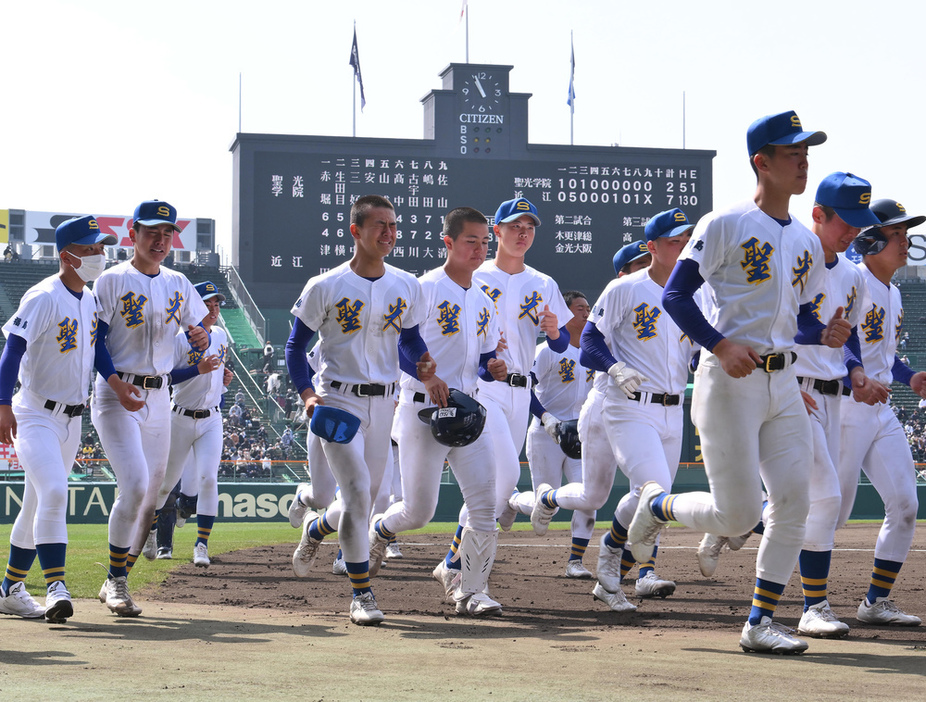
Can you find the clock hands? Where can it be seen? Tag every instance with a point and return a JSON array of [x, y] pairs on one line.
[[479, 86]]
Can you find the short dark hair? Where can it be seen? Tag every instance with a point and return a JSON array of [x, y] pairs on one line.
[[363, 205], [768, 151], [570, 296], [457, 217], [828, 212]]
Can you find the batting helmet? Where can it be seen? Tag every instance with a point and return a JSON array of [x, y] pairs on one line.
[[872, 241], [569, 438], [459, 423], [333, 424]]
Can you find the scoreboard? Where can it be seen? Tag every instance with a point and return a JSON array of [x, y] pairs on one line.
[[293, 193]]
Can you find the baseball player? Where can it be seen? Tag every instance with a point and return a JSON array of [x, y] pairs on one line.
[[142, 306], [559, 385], [527, 302], [763, 268], [631, 258], [638, 408], [196, 421], [461, 331], [363, 310], [872, 438], [50, 349]]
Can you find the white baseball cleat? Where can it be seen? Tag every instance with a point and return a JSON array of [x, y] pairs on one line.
[[150, 551], [201, 556], [651, 585], [478, 604], [115, 595], [378, 545], [541, 514], [709, 553], [393, 551], [297, 510], [448, 578], [364, 612], [19, 603], [339, 567], [645, 526], [576, 569], [885, 612], [616, 601], [165, 554], [770, 637], [609, 566], [509, 514], [307, 550], [58, 606], [735, 543], [819, 622]]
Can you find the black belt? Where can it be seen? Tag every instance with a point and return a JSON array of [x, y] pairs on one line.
[[419, 397], [828, 387], [659, 398], [365, 389], [195, 414], [69, 410], [516, 380], [776, 361], [147, 382]]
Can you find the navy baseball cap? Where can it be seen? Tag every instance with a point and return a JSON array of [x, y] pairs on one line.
[[154, 212], [890, 212], [84, 231], [780, 129], [670, 223], [849, 196], [510, 210], [628, 254], [333, 424], [208, 290]]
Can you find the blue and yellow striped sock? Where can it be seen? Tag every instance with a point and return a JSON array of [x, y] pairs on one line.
[[662, 506], [616, 536], [204, 523], [383, 531], [451, 559], [17, 568], [815, 573], [882, 579], [359, 574], [577, 551], [765, 600], [548, 498], [650, 565], [118, 558], [320, 528], [52, 558], [130, 563]]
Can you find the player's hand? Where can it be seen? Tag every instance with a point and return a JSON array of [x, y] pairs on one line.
[[310, 400], [227, 378], [627, 379], [867, 390], [199, 337], [437, 390], [837, 331], [208, 364], [7, 425], [918, 383], [426, 367], [551, 425], [497, 368], [502, 344], [549, 325], [737, 360], [129, 395], [810, 404]]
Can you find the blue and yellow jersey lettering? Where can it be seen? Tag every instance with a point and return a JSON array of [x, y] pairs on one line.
[[349, 315], [529, 307], [448, 319], [756, 261], [133, 309], [393, 318], [173, 308], [67, 335], [801, 271], [644, 321], [873, 326], [567, 368]]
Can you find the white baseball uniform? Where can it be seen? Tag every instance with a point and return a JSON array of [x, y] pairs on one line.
[[322, 485], [144, 314]]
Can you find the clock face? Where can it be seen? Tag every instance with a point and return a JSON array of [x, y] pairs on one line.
[[481, 92]]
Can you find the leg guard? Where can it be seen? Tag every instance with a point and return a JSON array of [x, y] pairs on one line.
[[477, 554]]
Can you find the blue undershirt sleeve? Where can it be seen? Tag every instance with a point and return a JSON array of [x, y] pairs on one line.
[[593, 352], [483, 371], [678, 299], [809, 328], [901, 372], [184, 373], [852, 351], [10, 361], [559, 345], [412, 345], [537, 409], [102, 361], [296, 362]]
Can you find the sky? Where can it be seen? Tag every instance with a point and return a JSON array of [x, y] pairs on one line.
[[108, 103]]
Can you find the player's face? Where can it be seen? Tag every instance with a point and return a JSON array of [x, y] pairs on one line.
[[152, 244], [666, 250], [637, 265], [213, 304], [787, 168], [835, 234], [580, 310], [895, 252], [516, 237], [377, 235], [470, 247]]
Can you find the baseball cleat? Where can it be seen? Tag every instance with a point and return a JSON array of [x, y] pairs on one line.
[[307, 550], [478, 604], [609, 566], [651, 585], [165, 554], [19, 603], [770, 637], [297, 510], [819, 622], [735, 543], [115, 595], [885, 612], [709, 553], [616, 601], [645, 527], [393, 551], [339, 567], [150, 551], [201, 555], [364, 612], [58, 606], [378, 546], [448, 578], [509, 514], [576, 569], [541, 514]]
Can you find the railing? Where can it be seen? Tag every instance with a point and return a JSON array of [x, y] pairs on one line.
[[98, 470], [244, 300]]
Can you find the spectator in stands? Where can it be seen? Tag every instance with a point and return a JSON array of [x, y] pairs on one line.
[[268, 357], [234, 415]]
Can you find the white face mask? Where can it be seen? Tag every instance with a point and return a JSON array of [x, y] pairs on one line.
[[91, 267]]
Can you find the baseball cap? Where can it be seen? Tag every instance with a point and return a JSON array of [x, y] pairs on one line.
[[84, 231], [890, 212], [333, 424], [776, 130], [849, 196], [208, 290], [628, 254], [152, 212], [510, 210], [669, 223]]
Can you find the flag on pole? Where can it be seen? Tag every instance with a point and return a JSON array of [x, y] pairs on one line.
[[355, 62], [571, 100], [463, 9]]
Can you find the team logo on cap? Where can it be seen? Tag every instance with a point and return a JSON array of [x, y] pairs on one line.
[[865, 199], [164, 211], [796, 122], [681, 218], [901, 208], [523, 205], [92, 224]]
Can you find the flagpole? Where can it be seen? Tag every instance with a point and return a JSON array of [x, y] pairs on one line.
[[466, 10], [572, 90], [683, 119], [239, 102], [353, 80]]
